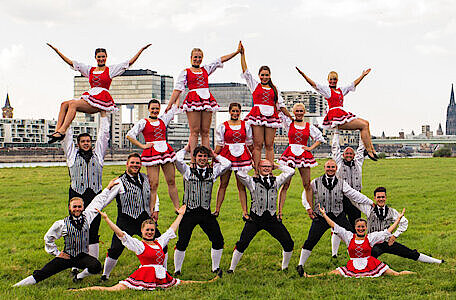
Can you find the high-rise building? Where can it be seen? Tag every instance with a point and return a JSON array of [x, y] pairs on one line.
[[315, 103], [451, 115], [7, 109], [439, 130]]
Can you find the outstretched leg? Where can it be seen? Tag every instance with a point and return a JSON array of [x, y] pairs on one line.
[[75, 106], [395, 273], [333, 272], [117, 287], [363, 126], [62, 113]]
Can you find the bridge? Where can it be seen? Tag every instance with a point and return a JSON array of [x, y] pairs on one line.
[[417, 141]]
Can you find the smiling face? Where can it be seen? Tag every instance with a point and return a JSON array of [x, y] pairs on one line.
[[235, 112], [330, 168], [76, 206], [380, 198], [299, 110], [85, 143], [348, 154], [361, 228], [196, 57], [133, 165], [154, 110], [332, 79], [101, 58], [265, 76], [265, 167], [148, 231], [201, 159]]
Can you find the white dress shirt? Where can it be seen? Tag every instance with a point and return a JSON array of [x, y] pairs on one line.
[[338, 157], [247, 180], [218, 168]]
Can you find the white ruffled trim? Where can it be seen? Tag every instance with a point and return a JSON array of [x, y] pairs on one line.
[[301, 165], [158, 162], [206, 107], [336, 123], [263, 123], [111, 108]]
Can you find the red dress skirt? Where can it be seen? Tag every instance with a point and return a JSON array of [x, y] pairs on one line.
[[336, 114]]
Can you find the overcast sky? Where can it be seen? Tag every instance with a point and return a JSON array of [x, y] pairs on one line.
[[407, 43]]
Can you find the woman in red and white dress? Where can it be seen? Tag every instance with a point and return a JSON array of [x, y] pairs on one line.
[[156, 151], [233, 140], [337, 116], [297, 154], [361, 263], [152, 273], [199, 104], [97, 98], [264, 115]]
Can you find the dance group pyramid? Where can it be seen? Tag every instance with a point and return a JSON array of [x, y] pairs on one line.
[[332, 201]]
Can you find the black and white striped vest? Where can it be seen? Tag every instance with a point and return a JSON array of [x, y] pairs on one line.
[[136, 199], [263, 198], [198, 189], [375, 223], [76, 240], [85, 175], [331, 200], [351, 175]]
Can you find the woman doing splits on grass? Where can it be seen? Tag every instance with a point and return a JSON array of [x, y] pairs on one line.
[[263, 117], [337, 116], [151, 274], [156, 151], [297, 154], [97, 98], [361, 263], [199, 104], [233, 140]]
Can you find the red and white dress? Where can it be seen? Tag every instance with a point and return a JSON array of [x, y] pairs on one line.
[[234, 139], [198, 97], [161, 152], [361, 263], [264, 111], [336, 114], [100, 81], [294, 155], [152, 273]]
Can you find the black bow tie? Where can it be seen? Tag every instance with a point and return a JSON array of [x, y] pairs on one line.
[[330, 182], [77, 222], [349, 163], [86, 155]]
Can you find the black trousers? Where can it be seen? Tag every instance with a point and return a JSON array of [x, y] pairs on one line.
[[351, 211], [396, 249], [268, 223], [319, 227], [81, 261], [131, 226], [88, 196], [207, 222]]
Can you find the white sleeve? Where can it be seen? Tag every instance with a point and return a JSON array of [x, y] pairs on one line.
[[354, 195], [165, 237], [316, 134], [287, 173], [348, 88], [248, 134], [324, 90], [81, 68], [211, 67], [246, 180], [222, 165], [132, 243], [181, 81], [53, 234], [335, 150], [157, 203], [119, 69], [69, 148], [286, 121], [280, 101], [137, 129], [220, 135], [169, 115], [344, 234], [304, 200], [181, 166], [378, 237], [359, 156], [102, 139], [403, 223], [103, 199], [251, 82]]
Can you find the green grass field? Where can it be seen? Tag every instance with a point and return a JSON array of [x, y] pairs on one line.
[[31, 199]]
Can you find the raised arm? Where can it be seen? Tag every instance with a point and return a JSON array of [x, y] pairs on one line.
[[243, 62], [328, 219], [231, 55], [335, 149], [394, 225], [111, 225], [69, 148], [354, 195], [134, 58], [181, 166], [310, 81], [286, 175], [102, 139], [181, 212], [65, 59], [358, 80], [223, 165]]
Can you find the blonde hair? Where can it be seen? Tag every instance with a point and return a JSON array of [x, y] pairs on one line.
[[299, 105], [74, 199], [196, 50], [333, 73], [147, 222]]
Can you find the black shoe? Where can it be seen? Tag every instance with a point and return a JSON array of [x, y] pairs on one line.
[[300, 270], [334, 256], [443, 261], [284, 270], [374, 157], [177, 273], [54, 138], [230, 271], [74, 272], [76, 279], [216, 270], [104, 278], [219, 273]]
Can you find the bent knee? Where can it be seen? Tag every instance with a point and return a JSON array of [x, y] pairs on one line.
[[288, 245], [95, 268]]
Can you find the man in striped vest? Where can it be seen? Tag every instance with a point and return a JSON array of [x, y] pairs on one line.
[[328, 192], [263, 189], [380, 217], [350, 169], [75, 231], [85, 166], [198, 182]]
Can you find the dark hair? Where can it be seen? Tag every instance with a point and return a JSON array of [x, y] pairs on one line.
[[153, 101], [276, 97], [201, 149], [360, 220], [100, 50], [234, 104], [134, 154], [78, 138], [380, 189]]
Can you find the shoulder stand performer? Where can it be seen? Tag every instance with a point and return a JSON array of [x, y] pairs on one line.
[[264, 189], [350, 169], [157, 152], [152, 274], [361, 263], [198, 182], [75, 231], [328, 191], [380, 217]]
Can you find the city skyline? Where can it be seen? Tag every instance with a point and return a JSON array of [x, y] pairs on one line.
[[407, 44]]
